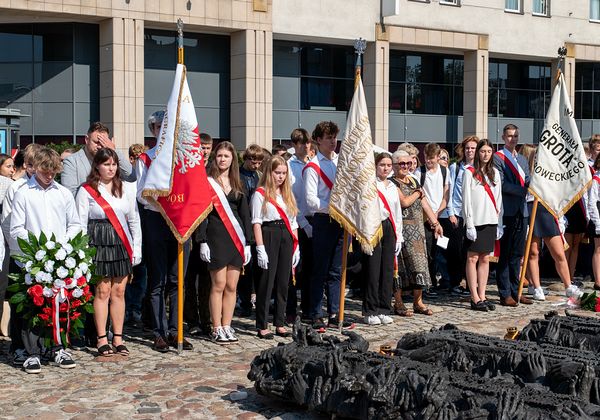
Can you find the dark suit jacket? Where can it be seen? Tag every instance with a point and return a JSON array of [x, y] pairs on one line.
[[513, 195]]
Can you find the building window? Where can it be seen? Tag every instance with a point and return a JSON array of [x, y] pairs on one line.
[[595, 10], [587, 91], [513, 6], [541, 8], [450, 2], [426, 83], [518, 89]]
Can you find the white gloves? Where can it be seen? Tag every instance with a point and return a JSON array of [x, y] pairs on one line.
[[562, 225], [137, 259], [263, 258], [499, 232], [296, 257], [398, 248], [247, 254], [204, 252], [472, 234], [308, 230]]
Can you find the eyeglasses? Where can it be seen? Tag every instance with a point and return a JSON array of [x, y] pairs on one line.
[[402, 164]]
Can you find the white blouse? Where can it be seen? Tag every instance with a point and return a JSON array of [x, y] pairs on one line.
[[390, 192], [593, 196], [124, 207], [271, 214], [478, 209]]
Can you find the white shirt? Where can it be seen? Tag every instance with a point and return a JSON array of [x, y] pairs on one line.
[[390, 192], [271, 214], [317, 193], [124, 207], [7, 204], [296, 166], [141, 171], [478, 209], [593, 196], [36, 210], [433, 187]]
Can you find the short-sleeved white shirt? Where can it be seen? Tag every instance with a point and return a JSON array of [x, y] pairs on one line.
[[433, 187]]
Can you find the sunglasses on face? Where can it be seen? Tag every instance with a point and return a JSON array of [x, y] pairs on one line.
[[403, 164]]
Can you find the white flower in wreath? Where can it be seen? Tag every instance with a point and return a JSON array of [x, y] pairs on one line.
[[50, 245], [77, 293], [61, 254], [77, 273], [83, 267], [68, 247], [40, 276], [48, 278], [70, 262], [49, 266], [81, 254], [28, 279], [40, 255], [59, 283], [28, 266], [88, 276], [48, 292], [62, 272]]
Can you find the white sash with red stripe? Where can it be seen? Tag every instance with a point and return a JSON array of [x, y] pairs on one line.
[[117, 220], [512, 163], [232, 225]]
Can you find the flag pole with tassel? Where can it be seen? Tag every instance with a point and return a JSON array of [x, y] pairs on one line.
[[179, 244], [359, 46], [562, 52]]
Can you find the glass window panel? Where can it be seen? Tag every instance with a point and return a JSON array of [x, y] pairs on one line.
[[586, 105], [493, 102], [540, 7], [493, 74], [286, 55], [326, 94], [596, 69], [578, 105], [457, 106], [53, 42], [53, 82], [585, 77], [413, 68], [327, 61], [397, 66], [16, 82], [16, 42], [397, 100], [595, 9], [429, 99], [596, 105], [512, 5]]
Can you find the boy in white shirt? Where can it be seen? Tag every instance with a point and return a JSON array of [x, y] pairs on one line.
[[43, 205], [435, 182]]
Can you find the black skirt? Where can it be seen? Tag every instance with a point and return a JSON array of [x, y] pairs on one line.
[[576, 220], [486, 237], [545, 225], [112, 259]]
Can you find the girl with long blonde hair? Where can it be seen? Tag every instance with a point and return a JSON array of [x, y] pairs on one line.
[[274, 211]]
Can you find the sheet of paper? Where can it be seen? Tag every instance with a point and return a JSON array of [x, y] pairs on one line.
[[442, 242]]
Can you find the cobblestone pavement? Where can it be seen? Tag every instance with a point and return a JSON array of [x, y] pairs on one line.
[[199, 383]]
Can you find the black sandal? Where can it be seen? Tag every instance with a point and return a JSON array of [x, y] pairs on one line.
[[121, 348], [104, 350]]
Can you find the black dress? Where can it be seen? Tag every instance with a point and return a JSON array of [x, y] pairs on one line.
[[212, 231]]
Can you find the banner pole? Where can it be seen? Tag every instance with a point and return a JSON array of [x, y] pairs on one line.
[[343, 281], [527, 248], [179, 245]]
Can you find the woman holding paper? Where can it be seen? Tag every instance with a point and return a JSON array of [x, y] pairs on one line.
[[224, 238], [482, 212], [108, 211], [275, 228]]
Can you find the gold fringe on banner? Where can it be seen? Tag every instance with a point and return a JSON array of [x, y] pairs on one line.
[[193, 227], [366, 244], [574, 200]]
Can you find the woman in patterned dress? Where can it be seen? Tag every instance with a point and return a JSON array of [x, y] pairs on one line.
[[412, 261]]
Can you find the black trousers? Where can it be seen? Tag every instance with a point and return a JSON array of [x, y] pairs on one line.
[[432, 249], [16, 319], [456, 251], [380, 274], [512, 248], [33, 341], [248, 281], [162, 272], [197, 290], [303, 273], [279, 246]]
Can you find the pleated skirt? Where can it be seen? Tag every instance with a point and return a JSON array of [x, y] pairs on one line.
[[112, 259]]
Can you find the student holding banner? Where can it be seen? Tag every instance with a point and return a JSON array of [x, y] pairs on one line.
[[275, 228], [514, 175], [225, 237], [108, 211], [482, 212], [382, 264]]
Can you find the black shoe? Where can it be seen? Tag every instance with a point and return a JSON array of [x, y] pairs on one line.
[[430, 293], [267, 336], [245, 312], [479, 306], [459, 291], [490, 305], [160, 345], [285, 334], [186, 345], [78, 343], [196, 332], [334, 322], [318, 325], [596, 286]]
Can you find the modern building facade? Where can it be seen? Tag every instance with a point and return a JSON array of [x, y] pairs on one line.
[[434, 70]]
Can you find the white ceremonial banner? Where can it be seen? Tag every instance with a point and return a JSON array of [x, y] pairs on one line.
[[560, 174], [354, 200]]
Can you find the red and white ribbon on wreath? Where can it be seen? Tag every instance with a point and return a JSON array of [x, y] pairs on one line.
[[60, 295]]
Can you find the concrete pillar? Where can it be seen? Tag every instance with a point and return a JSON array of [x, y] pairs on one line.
[[475, 93], [252, 88], [122, 79], [376, 82]]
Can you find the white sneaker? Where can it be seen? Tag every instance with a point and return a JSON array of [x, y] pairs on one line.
[[372, 320], [538, 294], [385, 319], [32, 365], [63, 360], [573, 291], [230, 334], [218, 336]]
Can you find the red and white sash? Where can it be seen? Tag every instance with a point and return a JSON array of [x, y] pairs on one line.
[[319, 172], [512, 163], [283, 216], [118, 221], [146, 159], [486, 186], [232, 225], [387, 207]]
